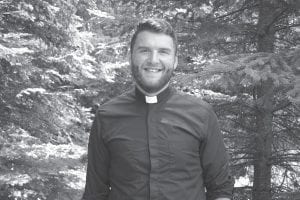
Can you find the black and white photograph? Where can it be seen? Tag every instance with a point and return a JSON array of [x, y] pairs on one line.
[[149, 100]]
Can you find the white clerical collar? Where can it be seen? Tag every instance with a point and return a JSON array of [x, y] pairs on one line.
[[150, 100]]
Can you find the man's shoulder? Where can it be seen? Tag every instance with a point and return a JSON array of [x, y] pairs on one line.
[[119, 101], [191, 100]]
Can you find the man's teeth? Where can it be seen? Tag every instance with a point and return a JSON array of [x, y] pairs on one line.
[[152, 70]]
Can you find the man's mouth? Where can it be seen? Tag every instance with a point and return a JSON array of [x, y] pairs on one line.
[[154, 70]]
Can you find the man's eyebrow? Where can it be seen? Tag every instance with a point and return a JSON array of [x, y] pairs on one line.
[[142, 47], [163, 48]]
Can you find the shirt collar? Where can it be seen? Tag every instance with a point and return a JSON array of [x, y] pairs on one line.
[[155, 99]]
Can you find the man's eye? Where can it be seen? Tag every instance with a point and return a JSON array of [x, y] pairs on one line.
[[144, 50], [166, 52]]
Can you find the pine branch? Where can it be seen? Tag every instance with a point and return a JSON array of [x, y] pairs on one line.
[[236, 11], [242, 158], [276, 17], [285, 27], [280, 159], [282, 105]]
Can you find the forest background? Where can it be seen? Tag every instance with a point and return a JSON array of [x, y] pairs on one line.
[[61, 59]]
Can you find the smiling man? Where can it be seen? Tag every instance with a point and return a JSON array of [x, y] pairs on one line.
[[153, 143], [153, 60]]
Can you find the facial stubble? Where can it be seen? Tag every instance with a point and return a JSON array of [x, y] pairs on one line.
[[153, 88]]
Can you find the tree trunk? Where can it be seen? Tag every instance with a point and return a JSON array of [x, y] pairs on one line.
[[263, 143], [268, 14]]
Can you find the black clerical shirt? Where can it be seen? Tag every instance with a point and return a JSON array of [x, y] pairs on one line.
[[169, 150]]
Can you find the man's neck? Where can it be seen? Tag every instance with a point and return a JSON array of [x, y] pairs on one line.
[[154, 93]]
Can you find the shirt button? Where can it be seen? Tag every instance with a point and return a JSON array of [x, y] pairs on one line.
[[155, 163], [151, 119]]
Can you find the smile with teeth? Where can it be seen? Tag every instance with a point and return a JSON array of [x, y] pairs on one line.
[[152, 69]]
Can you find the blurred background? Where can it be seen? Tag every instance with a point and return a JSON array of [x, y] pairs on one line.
[[61, 59]]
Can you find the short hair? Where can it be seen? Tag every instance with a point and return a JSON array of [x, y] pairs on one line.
[[157, 26]]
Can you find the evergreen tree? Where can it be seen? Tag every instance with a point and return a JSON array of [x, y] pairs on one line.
[[60, 59]]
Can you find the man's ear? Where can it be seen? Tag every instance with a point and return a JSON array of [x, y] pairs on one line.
[[176, 62], [129, 58]]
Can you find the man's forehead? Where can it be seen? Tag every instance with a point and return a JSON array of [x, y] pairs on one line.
[[154, 38], [152, 34]]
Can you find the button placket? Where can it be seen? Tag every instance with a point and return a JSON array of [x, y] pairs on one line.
[[154, 154]]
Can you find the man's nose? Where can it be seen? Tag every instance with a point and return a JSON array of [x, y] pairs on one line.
[[154, 58]]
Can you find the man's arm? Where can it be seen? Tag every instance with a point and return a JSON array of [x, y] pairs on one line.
[[97, 184], [215, 164]]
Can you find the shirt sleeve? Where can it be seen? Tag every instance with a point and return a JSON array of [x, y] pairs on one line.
[[97, 182], [214, 159]]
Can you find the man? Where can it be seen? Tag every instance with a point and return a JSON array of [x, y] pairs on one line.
[[153, 143]]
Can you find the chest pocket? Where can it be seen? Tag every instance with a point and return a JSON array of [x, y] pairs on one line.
[[184, 145]]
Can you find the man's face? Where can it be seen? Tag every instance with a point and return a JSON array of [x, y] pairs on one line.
[[153, 60]]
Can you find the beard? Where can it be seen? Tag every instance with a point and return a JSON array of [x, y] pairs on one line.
[[151, 86]]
